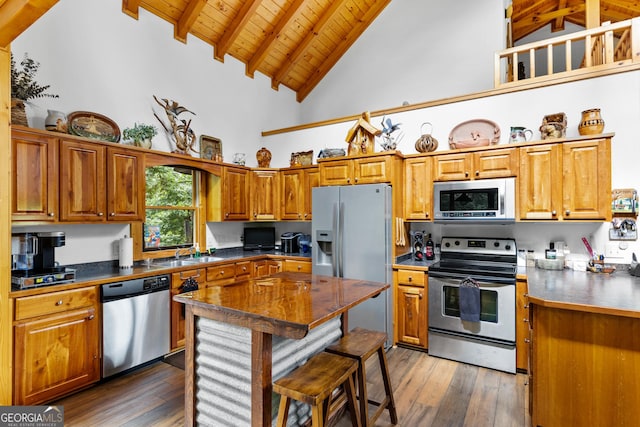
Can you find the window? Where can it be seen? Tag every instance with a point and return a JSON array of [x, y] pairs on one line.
[[171, 208]]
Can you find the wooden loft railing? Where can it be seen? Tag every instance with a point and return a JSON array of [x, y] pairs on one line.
[[598, 49]]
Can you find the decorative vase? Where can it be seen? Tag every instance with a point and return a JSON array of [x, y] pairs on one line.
[[18, 112], [264, 157], [145, 143], [591, 122], [55, 121]]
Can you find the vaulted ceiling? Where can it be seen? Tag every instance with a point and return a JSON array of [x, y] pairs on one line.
[[296, 42], [531, 15]]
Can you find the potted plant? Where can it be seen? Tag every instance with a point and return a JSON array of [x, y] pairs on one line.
[[140, 134], [25, 87]]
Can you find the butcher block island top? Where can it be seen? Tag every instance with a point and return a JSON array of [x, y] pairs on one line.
[[283, 316]]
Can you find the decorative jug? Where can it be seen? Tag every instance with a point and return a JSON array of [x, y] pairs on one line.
[[520, 134], [264, 157], [55, 121]]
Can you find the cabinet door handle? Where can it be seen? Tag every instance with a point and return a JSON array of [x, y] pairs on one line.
[[554, 213], [477, 173], [112, 214], [356, 179], [466, 174], [426, 214], [527, 340], [525, 306], [567, 212], [420, 295], [91, 317], [525, 320], [226, 215], [100, 213], [51, 214]]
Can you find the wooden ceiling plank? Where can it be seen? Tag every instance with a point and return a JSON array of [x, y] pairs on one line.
[[18, 15], [337, 53], [235, 28], [264, 49], [131, 8], [296, 54], [187, 19]]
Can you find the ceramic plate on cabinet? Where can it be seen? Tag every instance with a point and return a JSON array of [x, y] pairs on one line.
[[474, 133], [93, 125]]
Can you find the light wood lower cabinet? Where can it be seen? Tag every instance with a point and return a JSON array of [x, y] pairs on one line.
[[177, 309], [56, 344], [411, 306], [522, 326], [266, 267]]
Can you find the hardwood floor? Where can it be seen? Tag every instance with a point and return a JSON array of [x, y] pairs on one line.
[[428, 391]]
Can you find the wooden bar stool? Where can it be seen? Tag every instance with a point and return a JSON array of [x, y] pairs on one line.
[[314, 382], [360, 344]]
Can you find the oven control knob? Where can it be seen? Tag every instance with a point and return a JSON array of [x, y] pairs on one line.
[[447, 244], [508, 247], [457, 243], [496, 244]]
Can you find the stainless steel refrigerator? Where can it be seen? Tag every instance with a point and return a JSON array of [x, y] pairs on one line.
[[351, 238]]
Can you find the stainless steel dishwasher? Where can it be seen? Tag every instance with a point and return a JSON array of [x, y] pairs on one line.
[[135, 323]]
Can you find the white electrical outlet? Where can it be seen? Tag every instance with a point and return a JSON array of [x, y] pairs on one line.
[[612, 250]]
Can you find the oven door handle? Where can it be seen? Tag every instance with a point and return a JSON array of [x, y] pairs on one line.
[[484, 282]]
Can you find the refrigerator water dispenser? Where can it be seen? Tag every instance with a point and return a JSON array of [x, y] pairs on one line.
[[324, 251]]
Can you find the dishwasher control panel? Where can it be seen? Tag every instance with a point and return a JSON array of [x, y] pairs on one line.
[[156, 283], [131, 288]]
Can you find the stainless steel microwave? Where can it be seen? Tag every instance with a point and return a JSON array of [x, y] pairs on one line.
[[491, 200]]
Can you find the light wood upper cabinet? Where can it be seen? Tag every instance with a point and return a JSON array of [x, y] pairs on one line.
[[486, 164], [99, 183], [373, 169], [296, 185], [418, 188], [568, 181], [264, 195], [34, 177], [56, 345], [586, 180], [126, 185], [235, 194], [82, 181]]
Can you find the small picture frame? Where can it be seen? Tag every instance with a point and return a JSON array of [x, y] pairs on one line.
[[210, 148]]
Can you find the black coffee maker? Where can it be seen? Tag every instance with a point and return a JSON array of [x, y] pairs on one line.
[[40, 253]]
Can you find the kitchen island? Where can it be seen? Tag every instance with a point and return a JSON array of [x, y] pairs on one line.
[[585, 348], [241, 337]]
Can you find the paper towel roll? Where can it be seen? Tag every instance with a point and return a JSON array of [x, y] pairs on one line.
[[126, 252]]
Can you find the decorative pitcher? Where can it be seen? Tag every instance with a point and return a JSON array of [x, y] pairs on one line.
[[520, 134], [55, 121]]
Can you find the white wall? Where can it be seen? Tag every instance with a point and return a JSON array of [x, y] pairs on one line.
[[405, 53]]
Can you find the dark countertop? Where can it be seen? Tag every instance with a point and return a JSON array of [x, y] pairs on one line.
[[617, 293], [108, 271]]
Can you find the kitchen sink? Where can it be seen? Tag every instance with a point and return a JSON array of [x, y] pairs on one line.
[[206, 259], [177, 262], [189, 261]]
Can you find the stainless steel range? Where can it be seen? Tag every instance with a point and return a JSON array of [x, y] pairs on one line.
[[489, 265]]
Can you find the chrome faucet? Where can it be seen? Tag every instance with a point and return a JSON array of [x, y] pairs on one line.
[[190, 251]]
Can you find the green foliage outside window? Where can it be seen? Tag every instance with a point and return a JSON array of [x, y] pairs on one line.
[[170, 208]]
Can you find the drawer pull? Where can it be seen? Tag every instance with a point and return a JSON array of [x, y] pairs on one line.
[[527, 340], [59, 302]]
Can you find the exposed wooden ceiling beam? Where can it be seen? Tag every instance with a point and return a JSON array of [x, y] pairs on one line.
[[560, 13], [558, 23], [592, 14], [337, 53], [188, 17], [17, 15], [234, 29], [265, 47], [302, 47], [131, 7]]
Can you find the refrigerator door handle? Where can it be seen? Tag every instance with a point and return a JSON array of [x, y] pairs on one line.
[[341, 239], [336, 244]]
